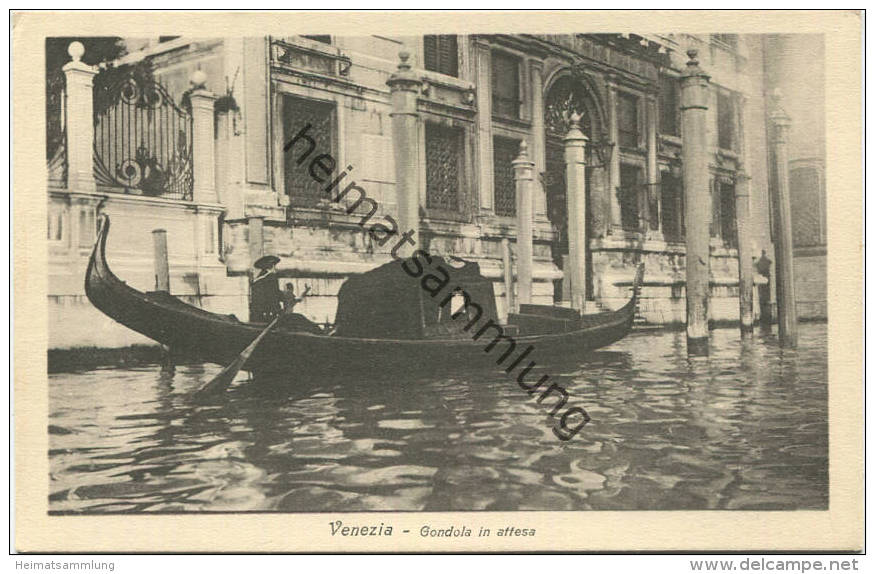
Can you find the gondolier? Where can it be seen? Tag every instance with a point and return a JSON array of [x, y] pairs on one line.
[[265, 298]]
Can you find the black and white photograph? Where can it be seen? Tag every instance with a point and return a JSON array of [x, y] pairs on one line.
[[340, 274]]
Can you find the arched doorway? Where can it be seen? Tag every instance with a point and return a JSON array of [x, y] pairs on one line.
[[566, 95]]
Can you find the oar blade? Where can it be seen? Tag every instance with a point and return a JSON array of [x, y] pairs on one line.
[[224, 379]]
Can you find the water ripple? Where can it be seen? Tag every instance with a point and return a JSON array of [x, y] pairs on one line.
[[743, 429]]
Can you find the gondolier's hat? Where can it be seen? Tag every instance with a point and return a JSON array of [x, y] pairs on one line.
[[266, 262]]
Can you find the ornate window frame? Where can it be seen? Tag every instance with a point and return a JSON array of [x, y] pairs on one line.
[[513, 142], [466, 207], [282, 99]]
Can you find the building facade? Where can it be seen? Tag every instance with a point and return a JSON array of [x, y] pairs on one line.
[[240, 147]]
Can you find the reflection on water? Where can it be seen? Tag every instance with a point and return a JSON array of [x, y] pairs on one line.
[[743, 429]]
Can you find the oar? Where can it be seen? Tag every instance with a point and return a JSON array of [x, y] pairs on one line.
[[224, 379]]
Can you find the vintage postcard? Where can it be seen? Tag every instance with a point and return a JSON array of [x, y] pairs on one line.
[[365, 282]]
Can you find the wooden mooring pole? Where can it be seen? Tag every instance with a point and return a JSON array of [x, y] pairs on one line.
[[784, 281], [162, 267], [507, 262], [162, 283], [697, 200]]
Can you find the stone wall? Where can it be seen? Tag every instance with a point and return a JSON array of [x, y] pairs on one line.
[[197, 274]]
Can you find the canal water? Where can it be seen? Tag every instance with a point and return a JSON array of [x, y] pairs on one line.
[[745, 429]]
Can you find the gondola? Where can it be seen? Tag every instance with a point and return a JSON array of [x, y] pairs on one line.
[[387, 319]]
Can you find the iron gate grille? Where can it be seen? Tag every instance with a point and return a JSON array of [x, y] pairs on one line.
[[557, 209], [566, 97], [142, 140]]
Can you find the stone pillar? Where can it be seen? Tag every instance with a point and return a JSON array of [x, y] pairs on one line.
[[221, 177], [485, 184], [539, 145], [203, 144], [405, 86], [784, 282], [614, 168], [522, 175], [654, 199], [575, 177], [228, 189], [697, 200], [79, 113], [742, 224]]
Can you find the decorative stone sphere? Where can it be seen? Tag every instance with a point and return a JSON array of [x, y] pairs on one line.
[[76, 50], [199, 78]]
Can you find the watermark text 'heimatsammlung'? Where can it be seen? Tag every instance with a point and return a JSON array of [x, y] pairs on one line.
[[322, 167]]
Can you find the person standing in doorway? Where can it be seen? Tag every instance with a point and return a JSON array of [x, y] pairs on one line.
[[265, 300], [764, 267]]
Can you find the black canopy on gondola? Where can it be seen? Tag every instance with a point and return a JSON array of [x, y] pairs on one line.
[[392, 302]]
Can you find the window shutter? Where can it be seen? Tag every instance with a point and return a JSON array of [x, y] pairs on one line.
[[668, 106], [430, 49], [727, 214], [441, 54], [627, 116], [631, 177], [672, 207], [505, 85], [449, 56], [725, 121]]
